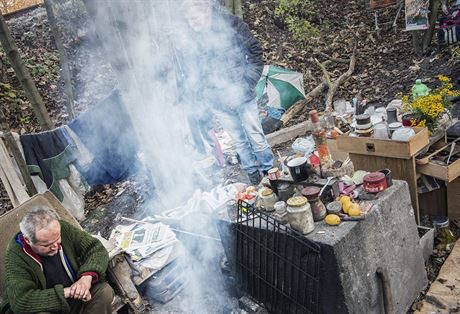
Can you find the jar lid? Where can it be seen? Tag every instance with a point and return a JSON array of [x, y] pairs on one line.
[[363, 118], [266, 192], [310, 191], [440, 222], [283, 186], [297, 201], [374, 177]]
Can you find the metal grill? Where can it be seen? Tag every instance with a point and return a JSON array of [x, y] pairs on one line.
[[276, 265]]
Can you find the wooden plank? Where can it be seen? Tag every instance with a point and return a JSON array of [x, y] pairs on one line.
[[401, 169], [385, 148], [453, 199], [10, 178], [287, 134], [433, 203]]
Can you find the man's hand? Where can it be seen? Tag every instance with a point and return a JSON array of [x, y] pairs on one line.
[[80, 289]]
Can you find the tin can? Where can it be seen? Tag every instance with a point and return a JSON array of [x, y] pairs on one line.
[[274, 174], [374, 182]]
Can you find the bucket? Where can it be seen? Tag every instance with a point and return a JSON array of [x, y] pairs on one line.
[[298, 168]]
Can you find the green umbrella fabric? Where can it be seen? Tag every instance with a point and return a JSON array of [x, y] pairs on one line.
[[283, 87]]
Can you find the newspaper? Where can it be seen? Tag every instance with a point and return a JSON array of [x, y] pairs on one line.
[[143, 239]]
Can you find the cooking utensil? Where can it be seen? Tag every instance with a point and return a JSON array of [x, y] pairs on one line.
[[327, 182], [452, 147]]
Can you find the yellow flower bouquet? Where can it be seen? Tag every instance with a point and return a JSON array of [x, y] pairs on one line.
[[429, 109]]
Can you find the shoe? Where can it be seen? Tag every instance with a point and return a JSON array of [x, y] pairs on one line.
[[255, 177]]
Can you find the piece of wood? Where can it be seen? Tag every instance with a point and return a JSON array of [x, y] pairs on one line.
[[65, 71], [24, 77], [453, 199], [426, 159], [11, 146], [433, 203], [289, 133], [332, 85], [385, 147], [15, 189], [401, 169], [382, 274], [441, 171]]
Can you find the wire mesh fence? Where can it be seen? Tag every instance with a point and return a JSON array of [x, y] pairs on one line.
[[277, 266]]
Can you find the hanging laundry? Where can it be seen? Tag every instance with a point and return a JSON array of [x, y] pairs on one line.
[[48, 155], [107, 132]]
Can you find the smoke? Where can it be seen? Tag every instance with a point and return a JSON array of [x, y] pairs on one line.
[[171, 77]]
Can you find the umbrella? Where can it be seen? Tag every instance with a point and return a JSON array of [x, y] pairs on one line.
[[283, 87]]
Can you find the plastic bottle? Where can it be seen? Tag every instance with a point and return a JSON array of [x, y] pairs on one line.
[[319, 136], [419, 89]]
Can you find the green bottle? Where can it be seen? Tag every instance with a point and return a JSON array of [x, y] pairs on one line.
[[419, 89]]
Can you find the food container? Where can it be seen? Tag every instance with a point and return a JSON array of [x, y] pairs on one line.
[[394, 126], [334, 207], [298, 168], [392, 115], [374, 182], [280, 212], [268, 199], [299, 214], [317, 207], [274, 174], [387, 173], [403, 134], [285, 191], [381, 131]]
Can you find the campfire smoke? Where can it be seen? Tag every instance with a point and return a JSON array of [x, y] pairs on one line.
[[167, 79]]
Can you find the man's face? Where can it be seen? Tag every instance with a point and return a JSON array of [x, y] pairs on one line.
[[199, 17], [48, 240]]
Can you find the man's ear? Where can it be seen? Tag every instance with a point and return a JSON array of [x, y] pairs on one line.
[[27, 240]]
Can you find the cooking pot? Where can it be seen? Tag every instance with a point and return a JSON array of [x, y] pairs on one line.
[[299, 168]]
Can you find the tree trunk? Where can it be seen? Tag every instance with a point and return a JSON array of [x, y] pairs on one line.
[[432, 18], [24, 77], [421, 40], [234, 7], [65, 71], [11, 145]]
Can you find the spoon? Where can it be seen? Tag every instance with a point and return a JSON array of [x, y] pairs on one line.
[[327, 182]]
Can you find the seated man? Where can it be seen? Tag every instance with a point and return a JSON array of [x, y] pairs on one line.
[[52, 266]]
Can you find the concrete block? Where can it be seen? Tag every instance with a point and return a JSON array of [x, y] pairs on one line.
[[387, 238]]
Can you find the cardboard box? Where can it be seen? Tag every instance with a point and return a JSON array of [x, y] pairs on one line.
[[385, 148]]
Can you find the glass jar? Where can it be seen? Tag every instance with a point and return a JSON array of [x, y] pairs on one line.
[[299, 214], [443, 233], [280, 212], [317, 207], [268, 199]]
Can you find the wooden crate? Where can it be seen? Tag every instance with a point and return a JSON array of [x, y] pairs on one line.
[[446, 173], [385, 148]]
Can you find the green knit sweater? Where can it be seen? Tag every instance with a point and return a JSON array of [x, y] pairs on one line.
[[26, 284]]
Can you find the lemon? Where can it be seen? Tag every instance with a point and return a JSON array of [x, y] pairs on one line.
[[346, 206], [344, 198], [332, 220], [355, 210]]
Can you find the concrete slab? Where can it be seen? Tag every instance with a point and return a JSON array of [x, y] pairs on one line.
[[444, 293], [387, 239]]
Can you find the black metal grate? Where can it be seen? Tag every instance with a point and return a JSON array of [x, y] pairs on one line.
[[276, 265]]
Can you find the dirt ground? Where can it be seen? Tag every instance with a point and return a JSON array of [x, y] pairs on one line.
[[386, 66]]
